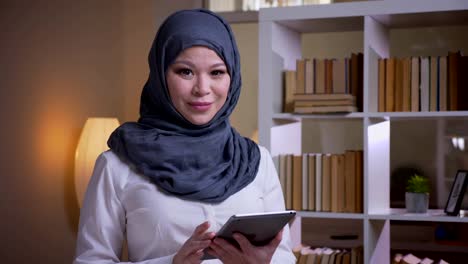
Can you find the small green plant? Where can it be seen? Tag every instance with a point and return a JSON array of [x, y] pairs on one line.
[[418, 184]]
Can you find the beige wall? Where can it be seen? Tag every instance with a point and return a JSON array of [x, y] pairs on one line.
[[61, 62], [244, 118]]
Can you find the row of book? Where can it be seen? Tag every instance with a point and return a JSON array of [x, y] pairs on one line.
[[412, 259], [432, 83], [324, 255], [315, 76], [323, 182]]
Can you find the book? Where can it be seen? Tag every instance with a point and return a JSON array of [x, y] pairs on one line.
[[346, 258], [329, 76], [415, 72], [309, 103], [381, 90], [397, 258], [318, 182], [426, 261], [398, 99], [406, 85], [452, 61], [341, 183], [443, 90], [319, 76], [433, 80], [359, 181], [326, 254], [297, 183], [441, 261], [289, 180], [339, 76], [311, 174], [300, 76], [305, 182], [325, 109], [357, 78], [326, 182], [410, 259], [335, 178], [425, 77], [303, 255], [350, 181], [289, 90], [282, 173], [390, 68], [309, 76], [462, 91], [324, 97]]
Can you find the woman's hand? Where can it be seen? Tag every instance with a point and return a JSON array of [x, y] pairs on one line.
[[192, 250], [247, 254]]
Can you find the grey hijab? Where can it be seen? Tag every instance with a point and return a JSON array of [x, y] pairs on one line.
[[206, 163]]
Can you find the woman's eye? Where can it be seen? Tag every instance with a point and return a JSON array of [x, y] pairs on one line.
[[185, 72], [218, 72]]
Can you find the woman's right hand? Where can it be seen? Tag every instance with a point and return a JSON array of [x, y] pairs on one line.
[[192, 250]]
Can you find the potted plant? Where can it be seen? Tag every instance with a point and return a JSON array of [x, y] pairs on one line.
[[417, 194]]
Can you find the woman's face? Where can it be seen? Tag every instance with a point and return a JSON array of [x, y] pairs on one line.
[[198, 84]]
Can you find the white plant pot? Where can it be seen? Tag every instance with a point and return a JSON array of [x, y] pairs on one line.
[[416, 202]]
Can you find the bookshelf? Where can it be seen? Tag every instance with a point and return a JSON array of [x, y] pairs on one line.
[[280, 32]]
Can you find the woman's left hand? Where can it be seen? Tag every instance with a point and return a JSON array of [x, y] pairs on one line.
[[247, 254]]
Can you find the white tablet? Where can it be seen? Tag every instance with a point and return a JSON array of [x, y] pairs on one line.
[[258, 228]]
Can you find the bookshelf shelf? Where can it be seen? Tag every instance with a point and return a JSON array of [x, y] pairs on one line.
[[432, 215], [330, 215], [299, 117], [280, 45]]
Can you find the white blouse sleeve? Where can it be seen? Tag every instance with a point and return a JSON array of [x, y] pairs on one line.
[[274, 201], [102, 220]]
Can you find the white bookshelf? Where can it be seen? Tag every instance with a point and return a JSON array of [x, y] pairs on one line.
[[280, 31]]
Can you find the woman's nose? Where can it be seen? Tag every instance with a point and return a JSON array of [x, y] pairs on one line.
[[202, 86]]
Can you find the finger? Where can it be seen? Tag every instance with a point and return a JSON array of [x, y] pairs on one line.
[[195, 257], [207, 236], [226, 247], [218, 248], [196, 245], [201, 228], [277, 240], [243, 242]]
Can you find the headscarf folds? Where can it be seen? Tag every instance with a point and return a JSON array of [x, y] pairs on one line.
[[206, 163]]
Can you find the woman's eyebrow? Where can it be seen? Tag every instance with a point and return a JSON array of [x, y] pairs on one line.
[[191, 64], [220, 64], [184, 62]]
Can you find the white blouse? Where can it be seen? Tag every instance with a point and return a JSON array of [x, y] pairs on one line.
[[120, 202]]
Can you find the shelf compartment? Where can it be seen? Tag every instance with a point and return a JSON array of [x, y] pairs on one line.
[[321, 232], [328, 215], [432, 215]]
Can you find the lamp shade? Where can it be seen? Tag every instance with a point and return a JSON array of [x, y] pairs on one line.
[[93, 141]]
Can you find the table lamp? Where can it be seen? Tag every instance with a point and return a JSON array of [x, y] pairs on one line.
[[93, 141]]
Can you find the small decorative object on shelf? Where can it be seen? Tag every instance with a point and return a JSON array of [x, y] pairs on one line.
[[457, 193], [417, 194]]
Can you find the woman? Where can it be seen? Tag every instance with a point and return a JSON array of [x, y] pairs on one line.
[[173, 178]]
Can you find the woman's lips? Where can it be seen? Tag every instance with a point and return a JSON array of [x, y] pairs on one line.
[[200, 106]]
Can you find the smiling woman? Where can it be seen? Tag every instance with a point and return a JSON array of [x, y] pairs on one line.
[[172, 179], [198, 84]]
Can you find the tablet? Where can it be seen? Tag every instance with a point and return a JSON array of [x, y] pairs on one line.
[[258, 228]]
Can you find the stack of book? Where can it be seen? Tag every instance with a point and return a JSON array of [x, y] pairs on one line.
[[323, 182], [324, 255], [324, 103], [324, 85], [412, 259]]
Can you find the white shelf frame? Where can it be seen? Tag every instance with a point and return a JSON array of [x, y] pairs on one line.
[[280, 30]]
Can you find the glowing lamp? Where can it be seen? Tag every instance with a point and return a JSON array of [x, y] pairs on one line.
[[93, 141]]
